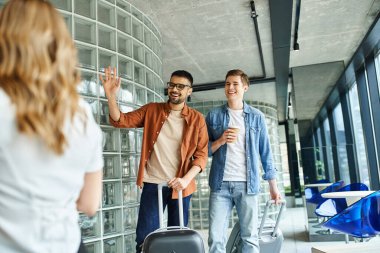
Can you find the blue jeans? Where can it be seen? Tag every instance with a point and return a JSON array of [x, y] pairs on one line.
[[148, 220], [221, 203]]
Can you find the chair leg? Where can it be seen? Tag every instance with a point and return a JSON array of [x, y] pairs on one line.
[[319, 225], [320, 222], [362, 239]]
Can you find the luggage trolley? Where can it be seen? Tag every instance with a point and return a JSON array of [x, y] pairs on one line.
[[270, 236]]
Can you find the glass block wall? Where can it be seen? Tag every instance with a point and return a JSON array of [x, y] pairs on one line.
[[199, 202], [115, 33]]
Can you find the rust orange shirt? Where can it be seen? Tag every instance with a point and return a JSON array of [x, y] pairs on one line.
[[194, 147]]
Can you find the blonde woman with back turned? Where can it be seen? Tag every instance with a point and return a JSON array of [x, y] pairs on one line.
[[50, 145]]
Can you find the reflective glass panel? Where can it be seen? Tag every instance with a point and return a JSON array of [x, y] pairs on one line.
[[137, 30], [93, 247], [62, 4], [107, 38], [86, 57], [139, 74], [124, 45], [360, 146], [126, 92], [329, 153], [104, 113], [110, 140], [124, 22], [377, 64], [106, 59], [125, 68], [85, 8], [140, 96], [90, 226], [113, 245], [88, 85], [111, 168], [85, 30], [130, 243], [341, 144], [123, 5], [130, 218], [111, 221], [106, 14], [138, 52]]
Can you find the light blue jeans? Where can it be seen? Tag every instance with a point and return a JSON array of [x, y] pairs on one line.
[[220, 207]]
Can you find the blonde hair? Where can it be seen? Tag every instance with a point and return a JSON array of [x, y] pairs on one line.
[[38, 69]]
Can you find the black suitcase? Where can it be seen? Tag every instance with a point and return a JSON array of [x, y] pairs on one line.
[[173, 239], [270, 236]]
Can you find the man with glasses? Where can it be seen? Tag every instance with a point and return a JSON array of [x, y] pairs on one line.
[[174, 148]]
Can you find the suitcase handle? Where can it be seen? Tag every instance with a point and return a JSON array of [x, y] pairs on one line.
[[161, 206], [171, 228], [268, 204]]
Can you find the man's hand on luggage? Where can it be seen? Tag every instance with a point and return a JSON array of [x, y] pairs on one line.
[[276, 196], [274, 192], [178, 183]]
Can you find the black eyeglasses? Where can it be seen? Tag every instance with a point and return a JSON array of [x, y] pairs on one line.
[[179, 86]]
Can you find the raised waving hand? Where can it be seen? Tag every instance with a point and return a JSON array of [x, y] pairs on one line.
[[110, 82]]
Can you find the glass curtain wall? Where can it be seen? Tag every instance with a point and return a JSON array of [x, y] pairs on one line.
[[377, 64], [199, 202], [359, 93], [320, 160], [341, 144], [360, 146], [328, 147]]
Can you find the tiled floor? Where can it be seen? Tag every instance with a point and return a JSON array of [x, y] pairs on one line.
[[296, 239], [293, 226]]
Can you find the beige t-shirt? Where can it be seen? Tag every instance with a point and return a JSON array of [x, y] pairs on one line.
[[166, 155]]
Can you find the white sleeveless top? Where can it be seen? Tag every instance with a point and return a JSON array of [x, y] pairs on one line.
[[39, 189]]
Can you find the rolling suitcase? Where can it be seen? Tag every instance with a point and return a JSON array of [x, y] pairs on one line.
[[173, 239], [270, 236]]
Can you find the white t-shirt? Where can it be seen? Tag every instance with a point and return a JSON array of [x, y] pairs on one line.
[[163, 164], [236, 166], [39, 189]]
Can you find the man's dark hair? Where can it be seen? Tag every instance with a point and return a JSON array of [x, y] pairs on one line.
[[185, 74], [238, 72]]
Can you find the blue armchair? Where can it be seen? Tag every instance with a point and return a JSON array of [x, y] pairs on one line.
[[361, 219], [331, 207], [311, 192], [317, 198]]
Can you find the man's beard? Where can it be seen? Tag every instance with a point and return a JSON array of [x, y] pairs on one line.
[[177, 101]]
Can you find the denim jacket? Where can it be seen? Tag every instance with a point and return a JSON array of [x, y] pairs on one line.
[[256, 145]]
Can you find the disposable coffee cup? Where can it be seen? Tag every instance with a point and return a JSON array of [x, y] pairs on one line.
[[235, 130]]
